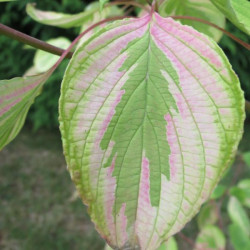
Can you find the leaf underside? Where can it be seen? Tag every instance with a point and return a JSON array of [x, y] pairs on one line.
[[66, 21], [151, 114]]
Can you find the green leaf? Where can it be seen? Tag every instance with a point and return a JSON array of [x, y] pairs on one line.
[[102, 3], [63, 20], [244, 184], [43, 61], [242, 192], [238, 193], [207, 215], [218, 191], [211, 237], [246, 158], [171, 244], [16, 97], [196, 8], [237, 11], [7, 0], [238, 215], [239, 238], [151, 115], [97, 17], [107, 247], [31, 71]]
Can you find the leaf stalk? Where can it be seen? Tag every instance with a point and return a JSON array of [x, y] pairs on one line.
[[26, 39]]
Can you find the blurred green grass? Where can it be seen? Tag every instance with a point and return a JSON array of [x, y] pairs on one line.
[[39, 207]]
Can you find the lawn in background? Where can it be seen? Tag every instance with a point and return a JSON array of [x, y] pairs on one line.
[[39, 207]]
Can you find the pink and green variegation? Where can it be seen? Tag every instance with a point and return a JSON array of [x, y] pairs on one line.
[[203, 9], [151, 115], [16, 97]]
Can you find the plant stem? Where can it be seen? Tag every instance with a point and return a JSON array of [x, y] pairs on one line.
[[247, 106], [129, 10], [218, 213], [76, 40], [244, 44], [36, 43], [129, 3]]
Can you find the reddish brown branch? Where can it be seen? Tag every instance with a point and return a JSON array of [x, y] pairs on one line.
[[129, 3], [244, 44], [36, 43], [218, 213], [188, 240]]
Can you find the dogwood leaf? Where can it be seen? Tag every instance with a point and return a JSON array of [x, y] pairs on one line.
[[237, 11], [16, 97], [43, 60], [151, 115], [207, 215], [210, 237], [195, 8], [171, 244], [102, 3], [63, 20], [238, 215], [240, 240]]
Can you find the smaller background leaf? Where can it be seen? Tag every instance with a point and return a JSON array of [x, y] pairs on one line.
[[102, 3], [237, 11], [16, 97], [218, 191], [107, 247], [211, 237], [246, 158], [207, 215], [43, 61], [66, 21], [171, 244], [238, 238], [242, 192], [238, 193], [238, 215], [200, 9]]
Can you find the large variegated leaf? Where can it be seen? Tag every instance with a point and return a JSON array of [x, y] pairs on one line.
[[97, 17], [63, 20], [196, 8], [16, 97], [237, 11], [171, 244], [151, 114]]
